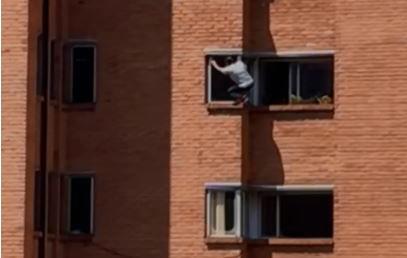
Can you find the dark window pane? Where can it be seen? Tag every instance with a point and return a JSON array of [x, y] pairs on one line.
[[308, 215], [83, 75], [220, 83], [316, 80], [40, 66], [229, 211], [268, 215], [275, 82], [39, 201], [53, 90], [52, 202], [80, 205]]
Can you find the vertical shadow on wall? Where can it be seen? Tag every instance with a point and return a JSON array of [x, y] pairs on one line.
[[257, 137], [126, 140], [266, 165], [256, 26]]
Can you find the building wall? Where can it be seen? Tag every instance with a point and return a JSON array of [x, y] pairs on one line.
[[125, 137], [371, 135], [152, 143], [191, 146], [209, 146], [14, 128]]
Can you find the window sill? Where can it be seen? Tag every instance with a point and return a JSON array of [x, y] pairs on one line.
[[79, 107], [293, 241], [223, 240], [272, 108], [223, 105], [272, 241], [77, 237]]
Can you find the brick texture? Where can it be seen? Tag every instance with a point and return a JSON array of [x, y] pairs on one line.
[[152, 143], [14, 125]]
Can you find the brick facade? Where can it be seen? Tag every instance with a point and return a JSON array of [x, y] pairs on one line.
[[14, 127], [152, 143]]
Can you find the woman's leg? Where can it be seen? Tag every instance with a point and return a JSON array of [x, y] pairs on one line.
[[234, 92]]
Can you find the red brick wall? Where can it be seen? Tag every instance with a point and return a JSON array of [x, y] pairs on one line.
[[14, 125], [153, 144], [371, 132]]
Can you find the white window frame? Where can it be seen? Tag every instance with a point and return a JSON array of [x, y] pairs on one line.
[[73, 45], [216, 192], [92, 201]]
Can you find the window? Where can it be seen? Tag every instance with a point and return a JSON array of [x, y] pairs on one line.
[[270, 212], [278, 79], [296, 81], [80, 204], [53, 179], [219, 83], [223, 212], [81, 87], [39, 208], [40, 65], [53, 70], [293, 214]]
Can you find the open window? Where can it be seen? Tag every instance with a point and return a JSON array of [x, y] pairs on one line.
[[223, 212], [219, 83], [79, 208], [279, 79], [80, 71], [284, 81], [295, 214], [302, 212]]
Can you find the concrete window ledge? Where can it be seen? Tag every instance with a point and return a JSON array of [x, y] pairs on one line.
[[76, 238], [272, 241], [223, 240], [293, 241], [274, 108], [79, 107], [223, 105]]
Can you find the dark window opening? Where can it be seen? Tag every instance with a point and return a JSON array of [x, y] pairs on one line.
[[275, 83], [306, 216], [82, 83], [40, 65], [81, 205], [219, 82], [52, 202], [39, 201], [316, 80], [296, 81], [53, 62], [229, 211], [268, 215]]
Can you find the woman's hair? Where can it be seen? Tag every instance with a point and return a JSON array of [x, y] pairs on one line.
[[229, 60]]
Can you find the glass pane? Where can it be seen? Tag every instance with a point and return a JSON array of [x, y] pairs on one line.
[[83, 74], [306, 216], [80, 205], [40, 65], [229, 211], [275, 82], [39, 201], [316, 81], [268, 215]]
